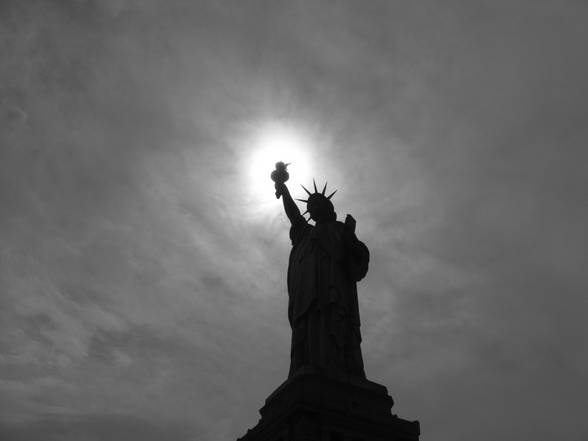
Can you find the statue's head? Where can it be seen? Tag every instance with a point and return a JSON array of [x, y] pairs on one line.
[[319, 206]]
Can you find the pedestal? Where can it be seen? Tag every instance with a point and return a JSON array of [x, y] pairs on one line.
[[313, 407]]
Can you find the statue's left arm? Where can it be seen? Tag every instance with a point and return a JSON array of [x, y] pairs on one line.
[[290, 206]]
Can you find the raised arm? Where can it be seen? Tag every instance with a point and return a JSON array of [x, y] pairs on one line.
[[290, 206]]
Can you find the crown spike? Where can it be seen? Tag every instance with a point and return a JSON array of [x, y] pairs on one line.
[[324, 189], [302, 200], [331, 195], [304, 212], [314, 183], [308, 192]]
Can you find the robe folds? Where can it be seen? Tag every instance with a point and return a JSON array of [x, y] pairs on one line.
[[323, 270]]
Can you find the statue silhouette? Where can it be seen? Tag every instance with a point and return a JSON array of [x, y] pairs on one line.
[[326, 262], [327, 395]]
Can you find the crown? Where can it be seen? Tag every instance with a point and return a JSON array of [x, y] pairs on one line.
[[316, 194]]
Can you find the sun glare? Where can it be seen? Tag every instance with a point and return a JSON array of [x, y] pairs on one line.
[[278, 142]]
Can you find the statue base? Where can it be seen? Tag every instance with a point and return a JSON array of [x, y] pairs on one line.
[[313, 407]]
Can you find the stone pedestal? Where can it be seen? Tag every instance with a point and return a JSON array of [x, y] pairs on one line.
[[314, 407]]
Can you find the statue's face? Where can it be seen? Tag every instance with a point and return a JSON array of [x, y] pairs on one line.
[[320, 208]]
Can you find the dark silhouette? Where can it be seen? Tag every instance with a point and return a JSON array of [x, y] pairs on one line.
[[280, 174], [327, 396], [325, 263]]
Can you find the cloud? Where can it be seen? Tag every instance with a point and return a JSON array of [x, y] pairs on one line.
[[136, 279], [114, 427]]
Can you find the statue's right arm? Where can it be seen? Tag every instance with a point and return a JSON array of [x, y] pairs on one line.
[[290, 206]]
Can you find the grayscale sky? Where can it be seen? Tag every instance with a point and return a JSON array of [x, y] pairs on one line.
[[143, 256]]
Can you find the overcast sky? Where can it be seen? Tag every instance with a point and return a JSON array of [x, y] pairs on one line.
[[142, 274]]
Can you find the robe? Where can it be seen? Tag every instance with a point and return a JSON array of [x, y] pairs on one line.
[[322, 307]]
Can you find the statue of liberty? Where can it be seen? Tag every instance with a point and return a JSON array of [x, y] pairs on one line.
[[326, 262]]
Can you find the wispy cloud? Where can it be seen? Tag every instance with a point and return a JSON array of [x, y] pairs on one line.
[[142, 293]]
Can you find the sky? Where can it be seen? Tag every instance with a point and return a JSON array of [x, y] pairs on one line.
[[143, 253]]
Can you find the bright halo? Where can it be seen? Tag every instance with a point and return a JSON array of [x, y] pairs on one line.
[[278, 142]]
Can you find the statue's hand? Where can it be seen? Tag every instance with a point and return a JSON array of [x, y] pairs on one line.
[[349, 224], [280, 189], [349, 231]]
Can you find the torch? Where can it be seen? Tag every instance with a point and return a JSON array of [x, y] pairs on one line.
[[280, 175]]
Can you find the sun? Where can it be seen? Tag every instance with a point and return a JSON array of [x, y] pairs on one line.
[[273, 142]]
